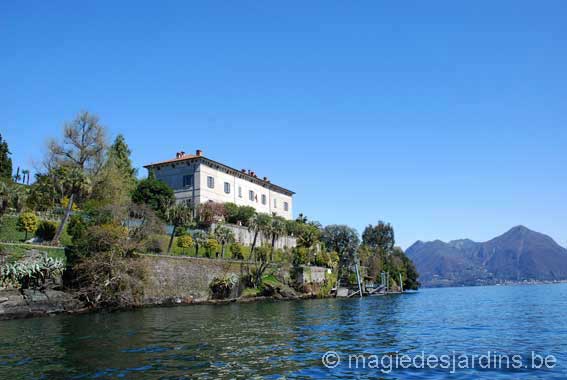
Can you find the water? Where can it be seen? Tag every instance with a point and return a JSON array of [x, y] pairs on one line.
[[278, 340]]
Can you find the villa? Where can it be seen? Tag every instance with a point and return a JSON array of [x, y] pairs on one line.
[[196, 179]]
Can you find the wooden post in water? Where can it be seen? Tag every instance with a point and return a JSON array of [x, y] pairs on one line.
[[358, 278]]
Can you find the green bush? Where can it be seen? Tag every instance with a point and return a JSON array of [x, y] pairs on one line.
[[212, 246], [184, 242], [46, 230], [27, 223], [300, 256], [77, 227], [237, 251]]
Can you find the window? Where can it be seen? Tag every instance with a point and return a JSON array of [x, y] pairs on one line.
[[263, 199], [251, 195], [286, 206], [275, 203], [227, 187], [210, 182], [240, 191], [188, 180]]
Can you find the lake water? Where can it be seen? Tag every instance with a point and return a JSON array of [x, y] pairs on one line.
[[281, 340]]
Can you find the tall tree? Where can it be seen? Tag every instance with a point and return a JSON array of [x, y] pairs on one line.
[[76, 159], [276, 229], [379, 237], [117, 179], [345, 241], [83, 144], [5, 160], [119, 154], [257, 224]]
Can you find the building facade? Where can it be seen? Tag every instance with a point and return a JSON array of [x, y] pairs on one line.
[[196, 179]]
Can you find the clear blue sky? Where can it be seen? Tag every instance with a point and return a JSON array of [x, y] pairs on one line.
[[447, 119]]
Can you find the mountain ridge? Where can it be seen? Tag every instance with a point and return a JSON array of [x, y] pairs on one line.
[[518, 255]]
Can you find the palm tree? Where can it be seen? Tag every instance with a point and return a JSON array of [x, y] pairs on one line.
[[225, 236], [73, 182], [258, 223], [26, 175], [178, 215], [200, 239], [277, 228]]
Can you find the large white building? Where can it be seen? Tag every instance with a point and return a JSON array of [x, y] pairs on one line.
[[196, 179]]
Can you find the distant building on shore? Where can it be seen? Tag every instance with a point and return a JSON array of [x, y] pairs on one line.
[[196, 179]]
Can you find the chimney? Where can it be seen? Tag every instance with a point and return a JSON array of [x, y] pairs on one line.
[[253, 174], [243, 170], [199, 152], [177, 155], [181, 154], [266, 179]]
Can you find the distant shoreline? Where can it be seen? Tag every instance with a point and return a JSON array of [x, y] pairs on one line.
[[507, 283]]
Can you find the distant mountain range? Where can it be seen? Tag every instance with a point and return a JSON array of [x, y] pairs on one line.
[[518, 255]]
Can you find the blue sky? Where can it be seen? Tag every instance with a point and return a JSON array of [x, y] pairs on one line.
[[447, 119]]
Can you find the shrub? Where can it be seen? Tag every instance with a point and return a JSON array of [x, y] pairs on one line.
[[46, 230], [212, 246], [31, 274], [222, 287], [27, 222], [77, 227], [300, 256], [184, 242], [110, 280], [237, 251], [322, 259], [103, 238]]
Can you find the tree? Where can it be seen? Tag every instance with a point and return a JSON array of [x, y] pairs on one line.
[[26, 176], [119, 155], [212, 246], [210, 213], [307, 235], [178, 215], [276, 229], [154, 193], [83, 144], [5, 161], [72, 181], [379, 237], [43, 195], [27, 222], [343, 240], [225, 236], [258, 223], [184, 242], [200, 239]]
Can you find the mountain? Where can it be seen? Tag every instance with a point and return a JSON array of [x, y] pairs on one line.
[[518, 255]]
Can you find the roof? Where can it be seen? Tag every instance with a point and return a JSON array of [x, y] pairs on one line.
[[181, 158], [239, 173]]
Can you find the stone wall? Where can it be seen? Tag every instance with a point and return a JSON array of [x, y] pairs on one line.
[[245, 237], [311, 274]]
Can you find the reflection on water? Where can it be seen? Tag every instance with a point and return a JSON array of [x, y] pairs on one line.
[[276, 340]]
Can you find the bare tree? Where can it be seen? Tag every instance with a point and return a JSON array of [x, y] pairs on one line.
[[83, 144]]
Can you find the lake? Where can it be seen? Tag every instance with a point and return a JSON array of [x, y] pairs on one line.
[[520, 326]]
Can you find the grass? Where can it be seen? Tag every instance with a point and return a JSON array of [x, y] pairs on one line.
[[9, 232], [17, 251]]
